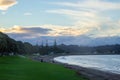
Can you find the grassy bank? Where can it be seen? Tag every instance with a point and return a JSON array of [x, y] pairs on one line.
[[16, 68]]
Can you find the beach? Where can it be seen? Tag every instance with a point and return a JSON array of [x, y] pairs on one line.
[[91, 74]]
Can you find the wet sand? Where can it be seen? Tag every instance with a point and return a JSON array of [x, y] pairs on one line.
[[91, 74]]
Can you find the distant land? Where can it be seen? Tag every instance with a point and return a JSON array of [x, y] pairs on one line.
[[82, 40], [9, 45]]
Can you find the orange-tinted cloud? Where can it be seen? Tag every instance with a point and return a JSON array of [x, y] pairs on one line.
[[5, 4]]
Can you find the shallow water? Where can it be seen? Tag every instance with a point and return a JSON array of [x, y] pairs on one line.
[[110, 63]]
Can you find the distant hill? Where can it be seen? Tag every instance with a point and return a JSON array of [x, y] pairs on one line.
[[9, 46], [82, 40], [105, 49]]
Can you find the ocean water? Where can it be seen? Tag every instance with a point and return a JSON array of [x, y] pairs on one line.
[[110, 63]]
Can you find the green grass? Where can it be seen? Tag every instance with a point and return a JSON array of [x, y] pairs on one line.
[[16, 68]]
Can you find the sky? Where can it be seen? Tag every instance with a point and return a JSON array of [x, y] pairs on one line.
[[68, 21]]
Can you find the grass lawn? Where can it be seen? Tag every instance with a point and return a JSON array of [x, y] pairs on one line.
[[16, 68]]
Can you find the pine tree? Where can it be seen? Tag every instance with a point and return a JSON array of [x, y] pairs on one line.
[[55, 44]]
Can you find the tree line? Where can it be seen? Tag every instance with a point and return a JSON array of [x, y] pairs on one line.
[[9, 46], [94, 50]]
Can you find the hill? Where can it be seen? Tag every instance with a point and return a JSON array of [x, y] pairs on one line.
[[9, 46]]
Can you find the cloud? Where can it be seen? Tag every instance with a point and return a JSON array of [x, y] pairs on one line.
[[88, 20], [88, 16], [100, 5], [20, 36], [84, 21], [84, 18], [74, 13], [69, 40], [67, 34], [20, 29], [109, 28], [27, 14], [104, 30], [37, 30], [5, 4], [44, 30], [3, 13], [85, 9], [25, 32], [65, 30]]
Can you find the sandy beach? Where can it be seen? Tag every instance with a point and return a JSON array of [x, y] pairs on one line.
[[91, 74]]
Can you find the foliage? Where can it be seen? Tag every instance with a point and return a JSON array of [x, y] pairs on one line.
[[9, 45], [105, 49]]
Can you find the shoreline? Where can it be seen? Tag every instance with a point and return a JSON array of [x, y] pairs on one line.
[[89, 73], [93, 74]]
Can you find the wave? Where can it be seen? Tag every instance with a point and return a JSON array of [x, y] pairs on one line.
[[110, 63]]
